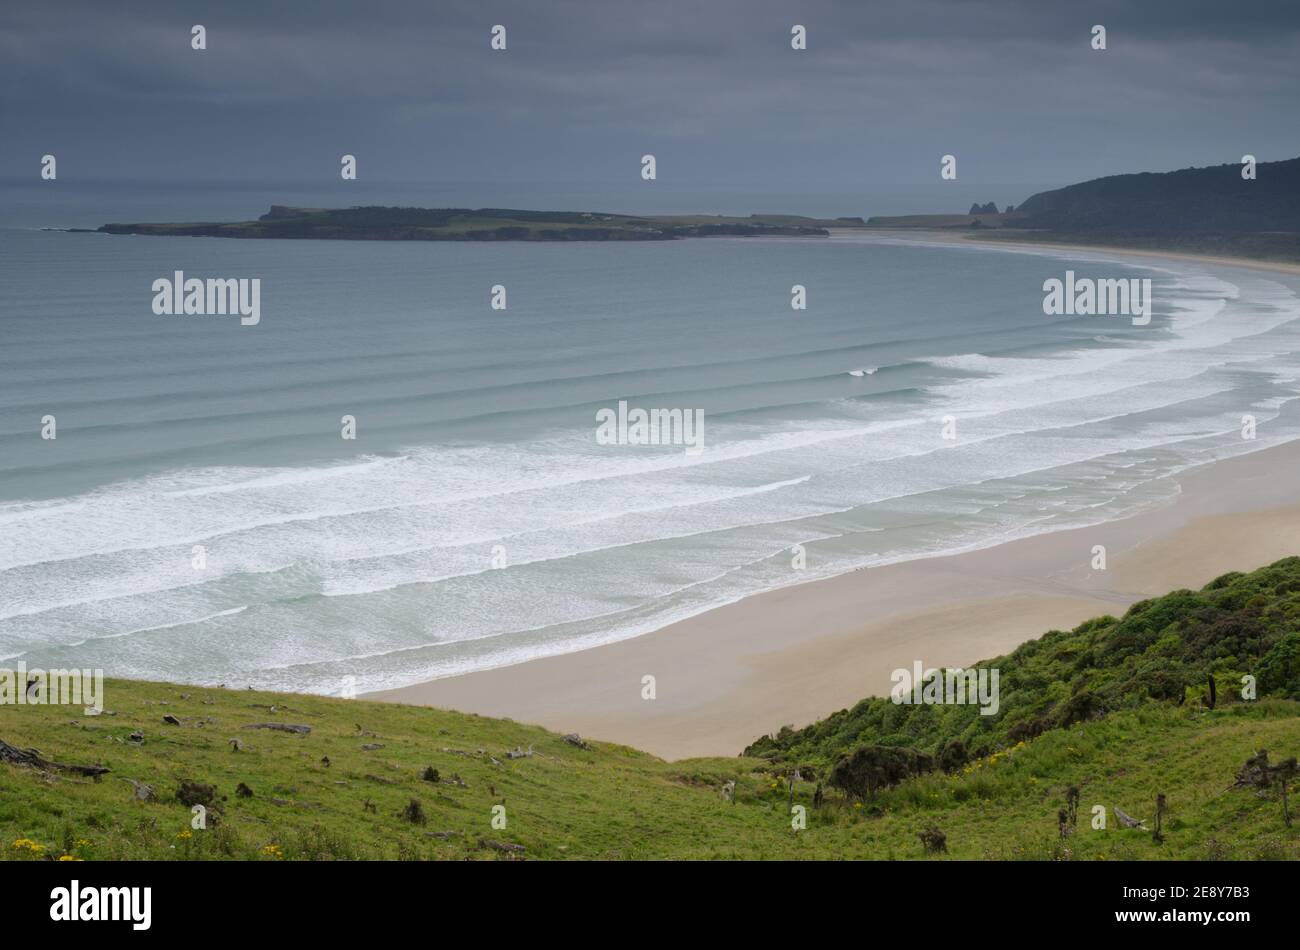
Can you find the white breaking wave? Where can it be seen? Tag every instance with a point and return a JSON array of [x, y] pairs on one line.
[[383, 566]]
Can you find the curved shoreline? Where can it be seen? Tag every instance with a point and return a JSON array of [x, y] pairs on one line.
[[936, 238], [725, 676]]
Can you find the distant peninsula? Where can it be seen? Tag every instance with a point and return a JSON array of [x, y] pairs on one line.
[[1243, 210], [488, 224], [1234, 210]]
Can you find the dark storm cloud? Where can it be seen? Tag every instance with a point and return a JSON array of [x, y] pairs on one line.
[[712, 88]]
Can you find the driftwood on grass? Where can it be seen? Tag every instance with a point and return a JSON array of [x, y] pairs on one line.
[[1256, 773], [275, 708], [280, 727], [143, 792], [1128, 821], [32, 759], [1260, 774]]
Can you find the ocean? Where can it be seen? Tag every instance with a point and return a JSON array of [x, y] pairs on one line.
[[200, 519]]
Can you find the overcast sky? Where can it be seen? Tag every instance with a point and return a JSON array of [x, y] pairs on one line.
[[711, 87]]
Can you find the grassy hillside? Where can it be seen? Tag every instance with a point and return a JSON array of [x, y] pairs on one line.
[[345, 789]]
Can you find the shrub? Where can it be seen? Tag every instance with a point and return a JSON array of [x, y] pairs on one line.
[[869, 768], [1278, 670], [953, 756]]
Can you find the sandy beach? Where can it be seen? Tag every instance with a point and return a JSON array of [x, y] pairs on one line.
[[933, 236], [792, 655]]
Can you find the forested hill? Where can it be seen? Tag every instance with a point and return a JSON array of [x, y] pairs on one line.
[[1213, 199]]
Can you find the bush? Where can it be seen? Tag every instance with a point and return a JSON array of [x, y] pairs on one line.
[[869, 768], [1279, 669], [953, 756]]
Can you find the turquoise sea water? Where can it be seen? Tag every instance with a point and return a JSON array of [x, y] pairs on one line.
[[374, 558]]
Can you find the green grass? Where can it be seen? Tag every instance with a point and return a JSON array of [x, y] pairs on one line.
[[609, 802]]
